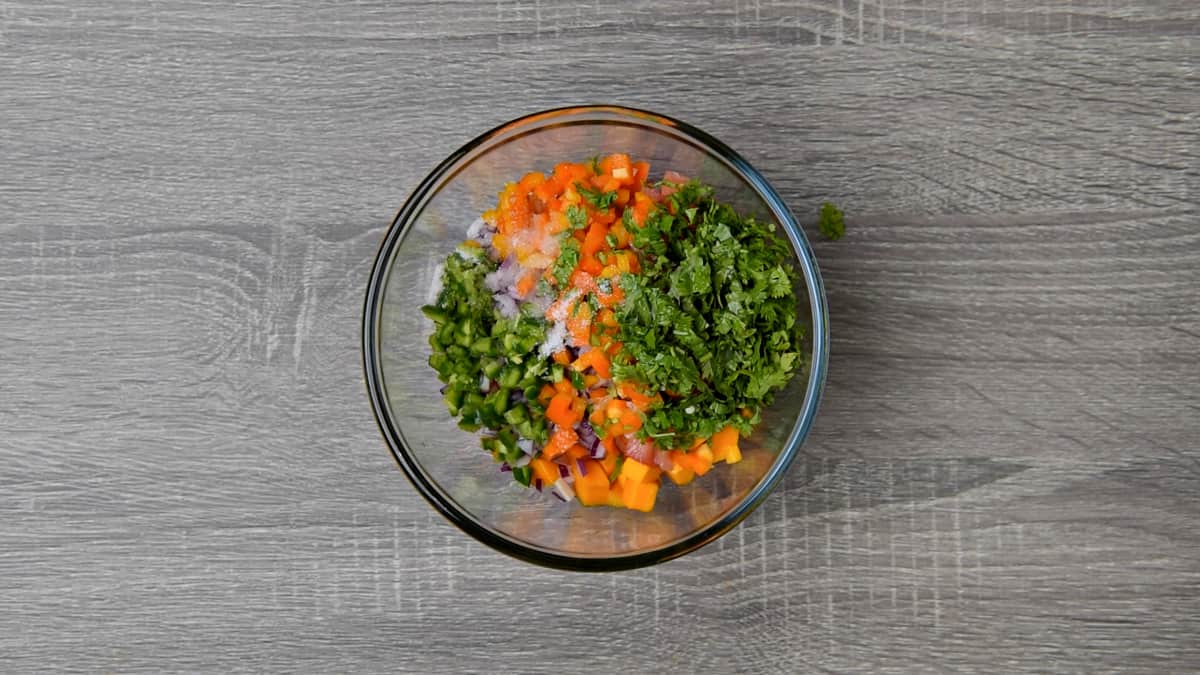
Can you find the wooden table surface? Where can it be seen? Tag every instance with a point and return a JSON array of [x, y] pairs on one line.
[[1005, 472]]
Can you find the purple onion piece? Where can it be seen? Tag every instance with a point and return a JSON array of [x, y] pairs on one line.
[[582, 467], [444, 389], [564, 471], [505, 467], [587, 435], [537, 484], [560, 497], [598, 452]]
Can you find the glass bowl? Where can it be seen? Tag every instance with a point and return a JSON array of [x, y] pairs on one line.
[[445, 463]]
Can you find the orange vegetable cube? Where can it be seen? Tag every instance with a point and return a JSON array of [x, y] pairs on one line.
[[634, 471], [699, 460], [610, 460], [641, 171], [559, 411], [617, 165], [723, 442], [616, 495], [621, 234], [590, 264], [562, 439], [680, 474], [591, 483], [639, 496], [544, 469], [594, 241]]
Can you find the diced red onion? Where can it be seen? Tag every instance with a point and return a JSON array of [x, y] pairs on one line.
[[582, 467], [506, 304], [635, 448], [444, 389], [558, 496], [523, 461], [478, 230], [587, 435], [564, 490], [505, 468], [598, 451], [564, 471], [504, 276], [537, 484], [527, 446], [435, 286]]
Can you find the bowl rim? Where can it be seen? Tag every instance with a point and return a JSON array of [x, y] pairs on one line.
[[373, 375]]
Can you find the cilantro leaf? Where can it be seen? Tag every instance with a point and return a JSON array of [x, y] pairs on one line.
[[831, 222], [568, 258], [577, 217], [599, 200]]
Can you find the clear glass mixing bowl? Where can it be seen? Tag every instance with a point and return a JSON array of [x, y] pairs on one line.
[[445, 463]]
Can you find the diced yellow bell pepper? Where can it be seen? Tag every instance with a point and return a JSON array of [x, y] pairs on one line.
[[616, 495], [724, 443], [634, 471], [640, 496], [591, 484], [680, 474]]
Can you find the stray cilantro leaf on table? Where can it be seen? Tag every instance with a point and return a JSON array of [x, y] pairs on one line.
[[831, 222]]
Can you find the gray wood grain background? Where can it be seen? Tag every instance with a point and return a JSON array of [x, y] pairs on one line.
[[1005, 474]]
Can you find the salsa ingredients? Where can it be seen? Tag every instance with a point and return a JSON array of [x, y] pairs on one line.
[[602, 330]]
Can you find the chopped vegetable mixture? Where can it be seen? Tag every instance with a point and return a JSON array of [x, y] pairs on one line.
[[604, 331]]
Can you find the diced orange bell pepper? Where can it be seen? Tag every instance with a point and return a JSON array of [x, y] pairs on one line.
[[610, 459], [620, 234], [590, 264], [568, 174], [593, 241], [680, 474], [724, 445], [610, 449], [611, 298], [562, 439], [579, 324], [526, 284], [699, 459], [596, 359], [618, 166], [559, 411], [641, 171]]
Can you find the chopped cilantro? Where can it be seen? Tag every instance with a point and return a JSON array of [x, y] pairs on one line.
[[831, 222], [568, 258], [599, 200], [577, 216], [714, 323]]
